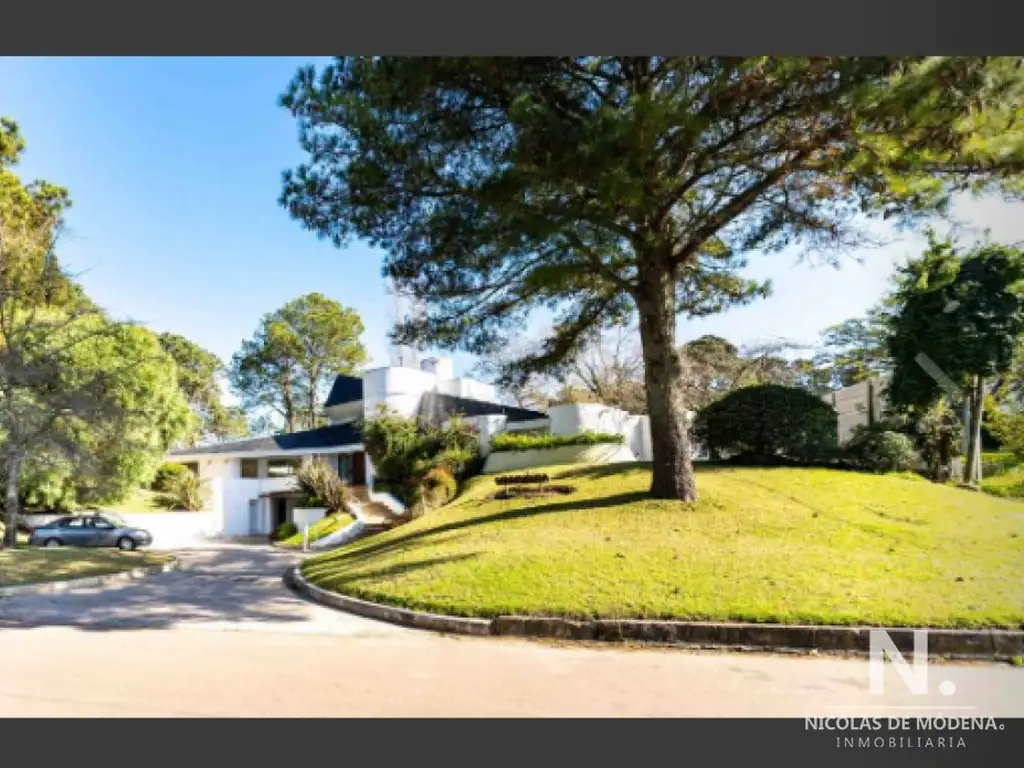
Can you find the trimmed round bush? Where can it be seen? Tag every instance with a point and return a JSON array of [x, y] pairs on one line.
[[769, 424], [285, 531], [440, 487], [881, 450], [167, 477]]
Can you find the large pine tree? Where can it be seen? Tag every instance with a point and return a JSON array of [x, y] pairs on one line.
[[603, 186]]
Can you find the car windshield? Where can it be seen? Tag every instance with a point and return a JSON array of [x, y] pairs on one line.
[[115, 520]]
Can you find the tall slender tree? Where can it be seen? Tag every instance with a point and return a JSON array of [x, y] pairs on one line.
[[957, 321], [291, 361], [199, 371], [599, 186]]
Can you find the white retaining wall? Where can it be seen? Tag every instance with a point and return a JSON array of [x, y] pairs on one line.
[[171, 530], [303, 516], [174, 530], [507, 461]]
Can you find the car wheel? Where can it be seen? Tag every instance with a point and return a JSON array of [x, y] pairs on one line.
[[125, 544], [52, 543]]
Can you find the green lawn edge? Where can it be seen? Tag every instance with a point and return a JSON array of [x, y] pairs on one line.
[[795, 546], [20, 566]]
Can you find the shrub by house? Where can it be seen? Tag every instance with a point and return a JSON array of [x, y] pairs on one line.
[[877, 449], [321, 486], [418, 462], [511, 441], [769, 424]]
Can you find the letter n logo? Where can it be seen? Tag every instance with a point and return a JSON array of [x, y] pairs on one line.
[[915, 678]]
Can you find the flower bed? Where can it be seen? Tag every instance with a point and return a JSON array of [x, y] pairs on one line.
[[510, 441]]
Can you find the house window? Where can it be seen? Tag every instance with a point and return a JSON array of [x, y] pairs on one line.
[[250, 468], [282, 467]]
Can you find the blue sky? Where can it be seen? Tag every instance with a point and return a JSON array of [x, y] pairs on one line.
[[174, 167]]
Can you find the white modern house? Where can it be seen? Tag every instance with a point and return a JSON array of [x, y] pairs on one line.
[[251, 481]]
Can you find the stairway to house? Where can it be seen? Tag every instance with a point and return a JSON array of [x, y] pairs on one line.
[[372, 514], [371, 517]]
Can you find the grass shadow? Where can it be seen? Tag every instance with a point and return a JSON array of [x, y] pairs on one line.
[[356, 553], [598, 471], [353, 578]]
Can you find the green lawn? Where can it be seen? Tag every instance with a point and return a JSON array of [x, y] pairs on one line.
[[27, 566], [1002, 475], [319, 529], [768, 545]]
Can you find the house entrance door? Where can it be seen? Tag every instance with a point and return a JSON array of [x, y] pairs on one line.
[[345, 467], [280, 512], [352, 468], [359, 468]]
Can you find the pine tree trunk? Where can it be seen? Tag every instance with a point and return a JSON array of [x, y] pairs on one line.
[[12, 501], [289, 406], [663, 371], [972, 462]]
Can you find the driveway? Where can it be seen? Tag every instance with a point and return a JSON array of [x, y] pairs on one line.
[[223, 637], [216, 587]]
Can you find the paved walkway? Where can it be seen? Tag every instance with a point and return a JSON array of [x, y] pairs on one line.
[[222, 637]]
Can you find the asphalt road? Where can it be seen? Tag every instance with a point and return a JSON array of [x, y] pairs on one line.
[[222, 637]]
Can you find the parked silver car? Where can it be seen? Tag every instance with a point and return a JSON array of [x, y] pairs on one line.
[[90, 531]]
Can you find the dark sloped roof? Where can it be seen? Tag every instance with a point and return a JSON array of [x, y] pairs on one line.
[[346, 389], [325, 437], [435, 407]]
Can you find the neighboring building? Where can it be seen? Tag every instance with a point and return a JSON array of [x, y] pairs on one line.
[[251, 481], [859, 404]]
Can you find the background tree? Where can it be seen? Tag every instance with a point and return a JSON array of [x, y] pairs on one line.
[[118, 411], [198, 378], [963, 310], [609, 370], [86, 404], [855, 350], [811, 376], [710, 369], [291, 361], [599, 186], [713, 367]]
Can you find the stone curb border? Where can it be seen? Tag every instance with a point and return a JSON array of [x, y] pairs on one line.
[[983, 644], [406, 618], [52, 587]]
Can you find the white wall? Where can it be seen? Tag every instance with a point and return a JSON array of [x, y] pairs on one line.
[[238, 492], [175, 530], [538, 425], [303, 516], [214, 467], [345, 412], [487, 427], [642, 445], [439, 366], [398, 388], [506, 461], [470, 388], [574, 418]]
